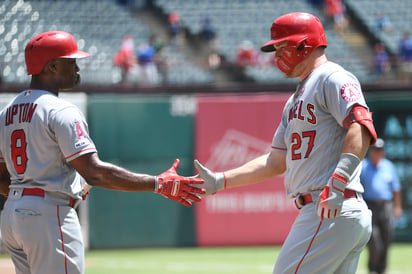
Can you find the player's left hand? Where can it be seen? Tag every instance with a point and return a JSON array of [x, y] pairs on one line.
[[85, 190], [178, 188], [331, 198]]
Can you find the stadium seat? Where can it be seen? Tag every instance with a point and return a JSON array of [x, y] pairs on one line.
[[98, 27]]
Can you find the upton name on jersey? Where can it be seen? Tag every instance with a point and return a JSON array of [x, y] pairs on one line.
[[24, 113]]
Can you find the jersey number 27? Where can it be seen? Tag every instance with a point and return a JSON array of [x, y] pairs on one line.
[[297, 144]]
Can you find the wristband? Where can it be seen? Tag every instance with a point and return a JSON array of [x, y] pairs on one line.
[[347, 165], [220, 181]]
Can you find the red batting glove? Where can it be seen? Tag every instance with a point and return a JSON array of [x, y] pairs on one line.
[[331, 198], [176, 187]]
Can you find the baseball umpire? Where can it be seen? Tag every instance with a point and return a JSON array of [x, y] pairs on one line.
[[46, 153], [325, 131]]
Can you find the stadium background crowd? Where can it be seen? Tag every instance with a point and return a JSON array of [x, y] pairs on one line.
[[198, 42]]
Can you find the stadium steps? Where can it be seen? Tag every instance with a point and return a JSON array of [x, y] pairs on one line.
[[362, 39], [190, 47], [358, 43]]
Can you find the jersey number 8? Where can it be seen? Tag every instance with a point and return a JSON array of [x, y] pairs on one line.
[[18, 150]]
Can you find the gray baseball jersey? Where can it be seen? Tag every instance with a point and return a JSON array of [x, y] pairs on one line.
[[39, 135], [311, 133], [311, 130]]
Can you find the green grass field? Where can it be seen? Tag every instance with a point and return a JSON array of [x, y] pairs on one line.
[[216, 260]]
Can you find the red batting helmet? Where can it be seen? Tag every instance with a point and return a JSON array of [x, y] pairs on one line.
[[50, 45], [304, 33]]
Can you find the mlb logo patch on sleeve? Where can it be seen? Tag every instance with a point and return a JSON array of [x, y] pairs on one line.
[[81, 143]]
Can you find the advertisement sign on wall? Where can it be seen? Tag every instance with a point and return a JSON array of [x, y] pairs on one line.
[[231, 130]]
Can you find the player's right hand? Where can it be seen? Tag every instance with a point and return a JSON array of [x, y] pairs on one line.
[[331, 198], [178, 188], [214, 182]]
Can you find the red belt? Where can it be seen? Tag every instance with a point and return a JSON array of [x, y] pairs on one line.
[[40, 192], [307, 198]]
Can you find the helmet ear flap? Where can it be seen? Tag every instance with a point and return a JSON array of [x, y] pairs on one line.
[[303, 49], [301, 45]]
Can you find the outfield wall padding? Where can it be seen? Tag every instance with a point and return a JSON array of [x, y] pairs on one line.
[[144, 134]]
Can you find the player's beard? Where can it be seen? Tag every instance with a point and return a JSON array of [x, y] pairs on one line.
[[298, 71], [74, 81], [77, 79]]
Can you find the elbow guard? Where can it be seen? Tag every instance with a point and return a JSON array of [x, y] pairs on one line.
[[362, 116]]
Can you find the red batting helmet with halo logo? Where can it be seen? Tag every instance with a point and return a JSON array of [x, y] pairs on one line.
[[304, 33], [50, 45]]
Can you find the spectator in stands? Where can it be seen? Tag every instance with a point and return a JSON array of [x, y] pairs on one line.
[[335, 10], [161, 58], [405, 57], [123, 2], [146, 58], [208, 37], [246, 54], [214, 60], [175, 29], [316, 3], [383, 23], [125, 58], [162, 64], [208, 32], [382, 64]]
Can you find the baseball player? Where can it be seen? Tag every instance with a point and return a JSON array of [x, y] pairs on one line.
[[383, 196], [325, 131], [45, 152]]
